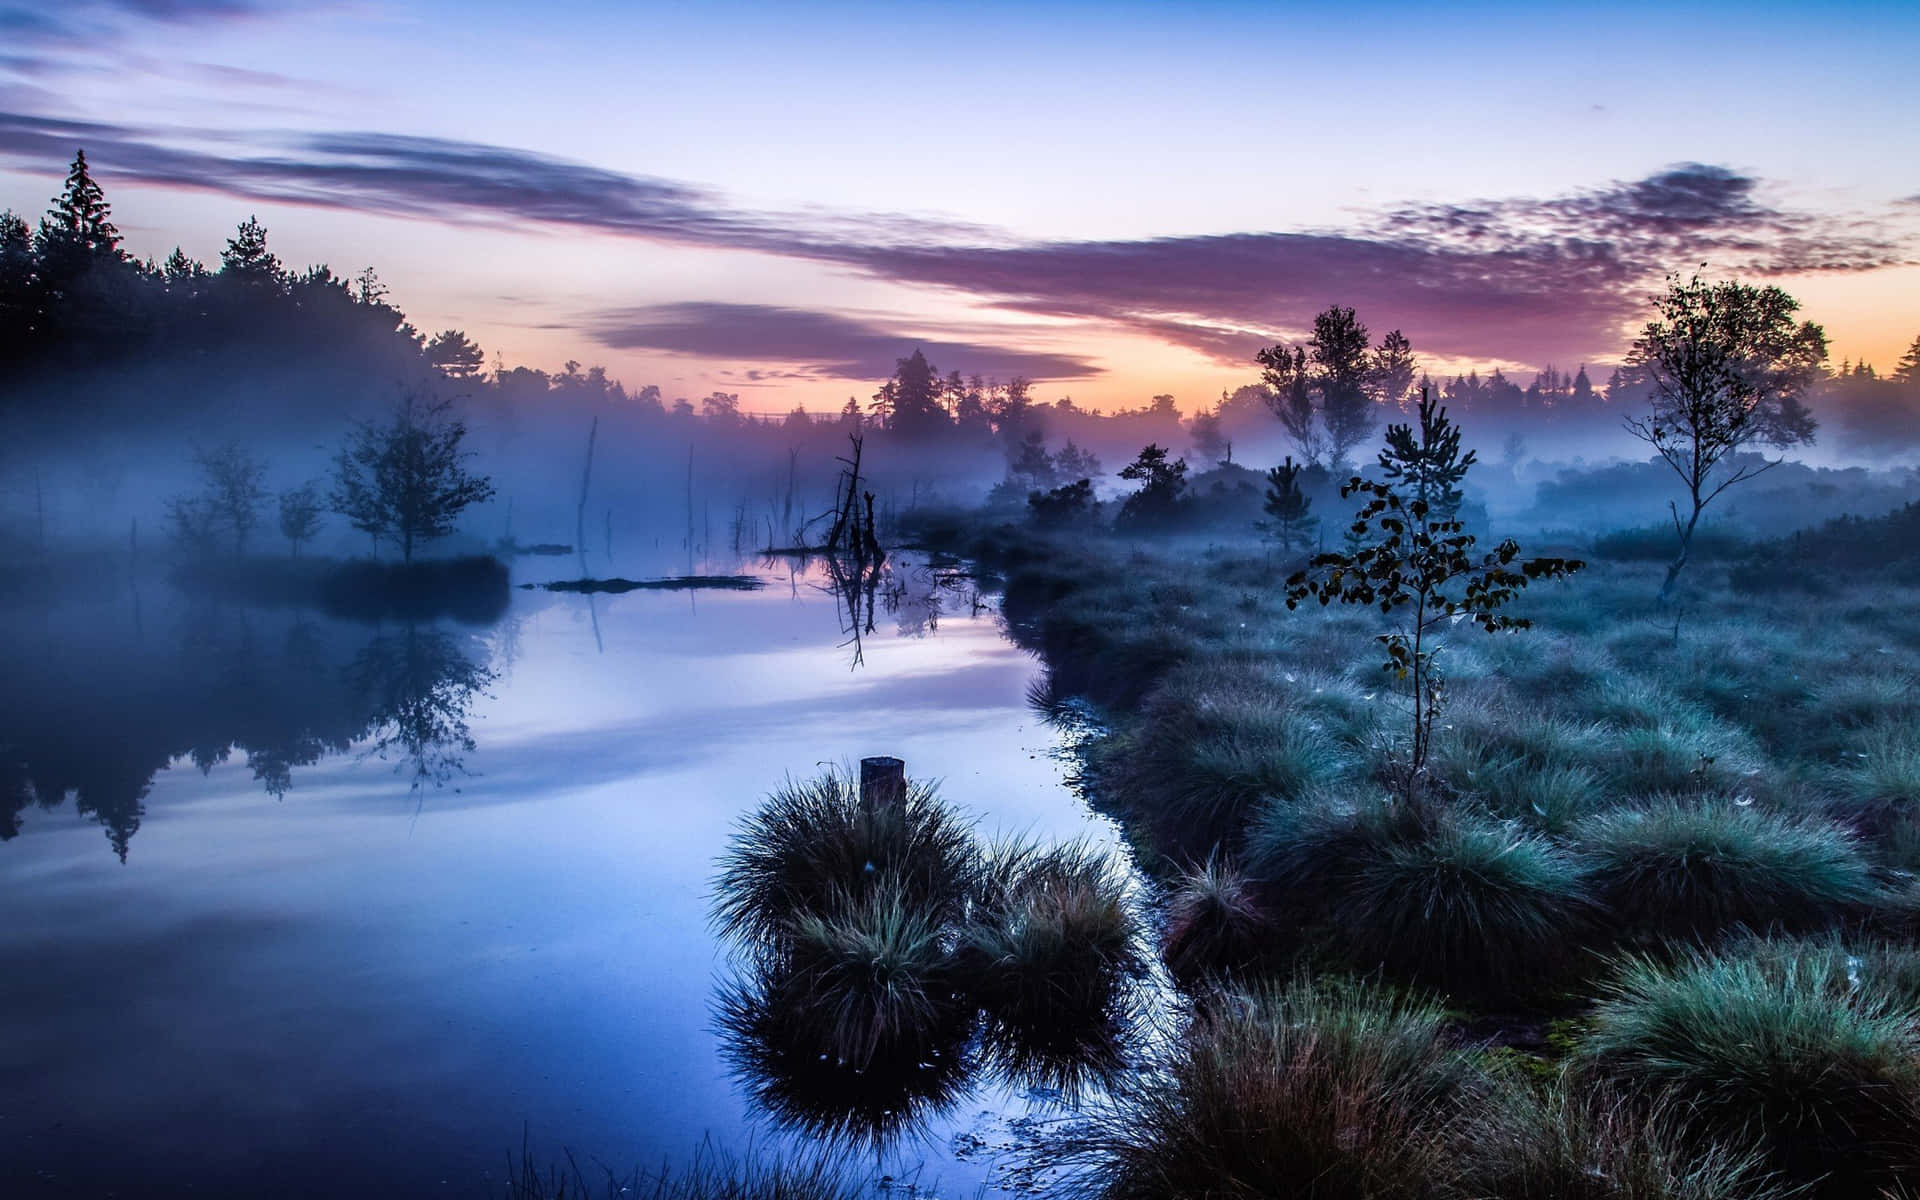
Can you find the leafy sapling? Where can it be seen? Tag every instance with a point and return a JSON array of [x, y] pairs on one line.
[[1416, 563]]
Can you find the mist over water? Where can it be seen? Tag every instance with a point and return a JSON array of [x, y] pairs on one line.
[[394, 895]]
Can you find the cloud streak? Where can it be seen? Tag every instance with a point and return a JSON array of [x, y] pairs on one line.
[[827, 344], [1528, 279]]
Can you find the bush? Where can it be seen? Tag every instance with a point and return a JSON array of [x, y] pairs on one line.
[[1691, 869], [813, 847], [1301, 1090], [1773, 1045]]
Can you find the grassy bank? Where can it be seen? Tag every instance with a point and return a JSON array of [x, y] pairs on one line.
[[1654, 840]]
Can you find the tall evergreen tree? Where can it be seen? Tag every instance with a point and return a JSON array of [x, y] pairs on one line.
[[80, 213], [1292, 524], [247, 259]]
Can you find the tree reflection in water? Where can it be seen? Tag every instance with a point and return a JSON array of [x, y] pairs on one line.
[[284, 690]]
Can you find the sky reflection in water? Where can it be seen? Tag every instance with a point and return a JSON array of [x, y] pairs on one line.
[[383, 978]]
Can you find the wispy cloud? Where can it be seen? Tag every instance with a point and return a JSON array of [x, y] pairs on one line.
[[1526, 279], [828, 344]]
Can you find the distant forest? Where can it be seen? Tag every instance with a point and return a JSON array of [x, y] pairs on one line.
[[100, 348]]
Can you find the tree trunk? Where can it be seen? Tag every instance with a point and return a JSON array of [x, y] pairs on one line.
[[883, 784], [1686, 545]]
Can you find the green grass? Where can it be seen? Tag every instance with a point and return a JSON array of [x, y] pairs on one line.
[[1302, 1090], [1777, 1046], [1694, 869], [813, 845]]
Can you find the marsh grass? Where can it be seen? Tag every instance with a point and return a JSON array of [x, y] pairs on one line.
[[1775, 1044], [1303, 1089], [1054, 956], [1216, 925], [813, 847], [1693, 869], [711, 1175], [1567, 1141]]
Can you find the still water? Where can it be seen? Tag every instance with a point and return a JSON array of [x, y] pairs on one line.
[[304, 907]]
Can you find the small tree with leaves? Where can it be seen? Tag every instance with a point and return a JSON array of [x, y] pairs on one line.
[[1727, 365], [300, 510], [406, 478], [1292, 522], [1420, 568], [231, 494]]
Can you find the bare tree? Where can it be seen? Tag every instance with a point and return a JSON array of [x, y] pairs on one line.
[[1727, 365]]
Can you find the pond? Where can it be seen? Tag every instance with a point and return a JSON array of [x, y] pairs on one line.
[[298, 906]]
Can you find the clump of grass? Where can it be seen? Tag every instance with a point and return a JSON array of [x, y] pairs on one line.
[[1566, 1141], [813, 846], [1774, 1046], [1210, 745], [1053, 955], [858, 1032], [1697, 756], [1685, 868], [1471, 907], [1880, 779], [873, 973], [1476, 908], [1215, 924], [1300, 1089]]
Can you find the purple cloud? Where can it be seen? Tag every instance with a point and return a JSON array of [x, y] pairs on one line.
[[1534, 279], [828, 344]]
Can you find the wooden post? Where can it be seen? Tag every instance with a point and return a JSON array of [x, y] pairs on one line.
[[883, 783]]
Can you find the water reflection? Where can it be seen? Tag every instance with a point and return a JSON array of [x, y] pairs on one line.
[[283, 690]]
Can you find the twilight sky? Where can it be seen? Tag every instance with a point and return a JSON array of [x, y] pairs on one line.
[[1116, 199]]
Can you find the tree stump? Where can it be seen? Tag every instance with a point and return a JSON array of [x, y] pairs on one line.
[[883, 783]]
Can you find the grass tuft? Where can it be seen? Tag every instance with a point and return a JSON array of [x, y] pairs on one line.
[[1692, 869]]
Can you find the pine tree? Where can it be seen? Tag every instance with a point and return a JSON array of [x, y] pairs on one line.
[[1292, 524], [79, 213], [247, 259], [1427, 468], [1908, 371]]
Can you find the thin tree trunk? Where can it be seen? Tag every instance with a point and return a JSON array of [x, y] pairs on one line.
[[1686, 546]]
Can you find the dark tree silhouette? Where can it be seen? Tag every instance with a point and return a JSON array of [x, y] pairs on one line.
[[246, 260], [406, 478], [1427, 465], [455, 353], [1292, 521], [1392, 370], [300, 510], [77, 228], [1727, 366], [1344, 366], [231, 493], [1290, 395], [1162, 491]]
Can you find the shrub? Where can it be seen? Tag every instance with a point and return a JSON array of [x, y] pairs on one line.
[[1773, 1045], [1692, 869], [814, 846]]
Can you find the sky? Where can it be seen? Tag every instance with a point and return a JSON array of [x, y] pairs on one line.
[[1116, 200]]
